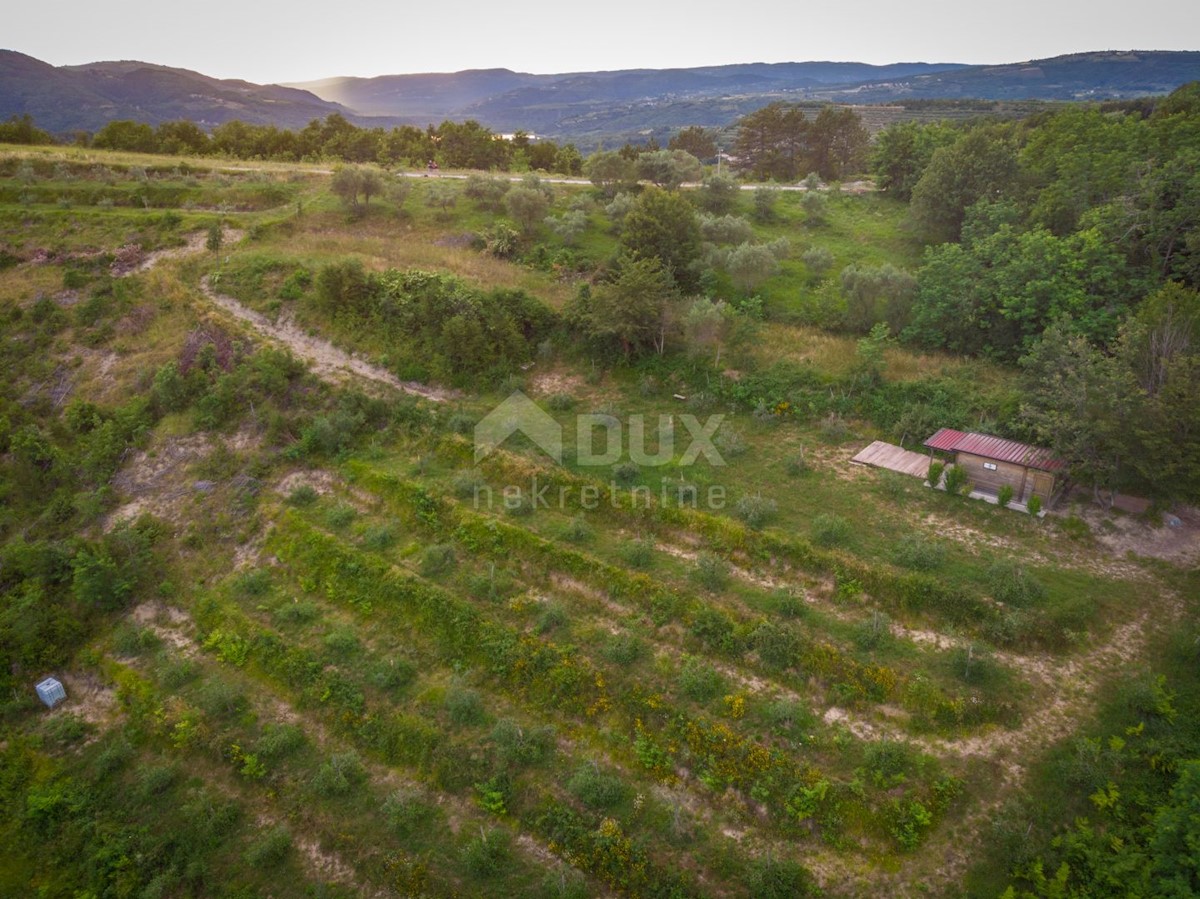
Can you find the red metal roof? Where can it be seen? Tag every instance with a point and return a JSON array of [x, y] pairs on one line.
[[951, 441]]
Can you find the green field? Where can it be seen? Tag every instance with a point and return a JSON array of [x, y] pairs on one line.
[[320, 656]]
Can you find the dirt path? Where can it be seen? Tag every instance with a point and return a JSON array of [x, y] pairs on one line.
[[327, 361]]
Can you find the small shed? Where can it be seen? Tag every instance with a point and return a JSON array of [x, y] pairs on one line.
[[51, 692], [992, 462]]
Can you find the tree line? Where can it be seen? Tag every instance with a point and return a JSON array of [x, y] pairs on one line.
[[1069, 243]]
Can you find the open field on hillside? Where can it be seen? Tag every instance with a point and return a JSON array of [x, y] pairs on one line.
[[366, 661]]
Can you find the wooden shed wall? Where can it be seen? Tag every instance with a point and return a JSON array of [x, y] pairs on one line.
[[1039, 482]]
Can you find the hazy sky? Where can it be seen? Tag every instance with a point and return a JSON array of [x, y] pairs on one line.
[[296, 40]]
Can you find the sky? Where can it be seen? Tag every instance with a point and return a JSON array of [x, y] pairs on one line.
[[272, 41]]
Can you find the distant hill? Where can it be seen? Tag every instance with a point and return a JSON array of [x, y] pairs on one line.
[[85, 97], [509, 100], [586, 107], [1078, 76]]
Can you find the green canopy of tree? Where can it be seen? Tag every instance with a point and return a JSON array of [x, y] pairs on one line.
[[663, 225]]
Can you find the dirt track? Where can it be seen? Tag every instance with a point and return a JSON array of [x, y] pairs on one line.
[[327, 361]]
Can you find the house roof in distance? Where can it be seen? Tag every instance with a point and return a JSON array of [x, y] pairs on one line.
[[998, 448]]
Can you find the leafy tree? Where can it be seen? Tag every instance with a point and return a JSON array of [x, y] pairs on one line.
[[772, 142], [568, 226], [902, 152], [487, 191], [765, 199], [609, 171], [697, 141], [815, 207], [19, 129], [749, 265], [980, 165], [997, 292], [709, 324], [718, 194], [1078, 403], [527, 206], [126, 135], [818, 260], [873, 294], [663, 225], [838, 142], [1078, 159], [631, 311], [725, 229], [669, 168]]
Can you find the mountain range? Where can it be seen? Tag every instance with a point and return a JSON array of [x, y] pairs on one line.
[[582, 106]]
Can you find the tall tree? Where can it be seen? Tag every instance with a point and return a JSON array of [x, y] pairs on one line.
[[632, 311], [838, 142], [980, 165], [663, 225], [772, 142], [695, 140]]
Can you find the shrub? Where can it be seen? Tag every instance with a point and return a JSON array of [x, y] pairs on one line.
[[638, 553], [772, 878], [517, 745], [461, 423], [711, 572], [1004, 495], [787, 602], [464, 706], [797, 464], [776, 646], [487, 855], [406, 812], [379, 537], [338, 776], [730, 442], [392, 674], [834, 428], [1011, 584], [699, 681], [626, 473], [269, 849], [830, 530], [919, 553], [466, 483], [873, 633], [340, 515], [935, 473], [624, 649], [1034, 506], [220, 699], [552, 617], [297, 611], [278, 740], [342, 643], [595, 789], [130, 640], [956, 480], [755, 510], [301, 496], [561, 402], [437, 559], [789, 718], [577, 531]]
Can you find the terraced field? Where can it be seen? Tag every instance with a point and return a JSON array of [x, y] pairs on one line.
[[362, 665]]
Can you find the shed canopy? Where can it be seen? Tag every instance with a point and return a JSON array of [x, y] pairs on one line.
[[950, 441]]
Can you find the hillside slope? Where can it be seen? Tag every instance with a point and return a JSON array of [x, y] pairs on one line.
[[67, 98]]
